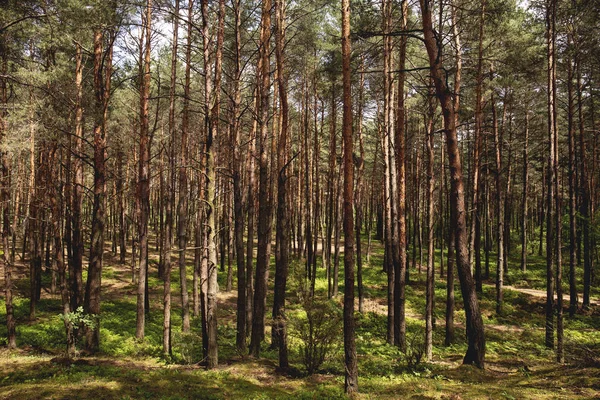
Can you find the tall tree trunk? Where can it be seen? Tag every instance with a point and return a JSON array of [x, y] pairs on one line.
[[76, 262], [429, 291], [11, 338], [102, 79], [400, 133], [475, 334], [572, 186], [282, 230], [551, 195], [525, 192], [212, 92], [499, 211], [351, 376], [167, 350], [238, 197], [143, 186], [475, 243], [264, 205], [182, 205]]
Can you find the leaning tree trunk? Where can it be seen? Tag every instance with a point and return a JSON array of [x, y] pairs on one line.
[[475, 333]]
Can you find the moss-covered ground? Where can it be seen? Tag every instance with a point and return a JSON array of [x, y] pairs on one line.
[[519, 366]]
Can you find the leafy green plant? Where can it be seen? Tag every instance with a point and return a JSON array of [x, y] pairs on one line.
[[318, 329], [73, 320]]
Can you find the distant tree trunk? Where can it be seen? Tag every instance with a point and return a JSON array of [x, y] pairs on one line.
[[429, 291], [475, 243], [499, 211], [351, 376], [525, 192], [238, 197], [143, 187], [360, 190], [76, 262], [550, 218], [584, 193], [170, 189], [282, 230], [56, 202], [552, 90], [182, 205], [212, 107], [11, 338], [572, 186], [264, 204], [475, 334], [400, 275], [102, 79], [331, 187]]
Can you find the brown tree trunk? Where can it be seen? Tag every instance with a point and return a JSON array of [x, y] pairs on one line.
[[102, 78], [475, 334], [264, 204], [11, 338], [400, 275], [282, 229], [143, 186], [525, 192], [170, 189], [182, 205], [551, 195], [351, 376], [499, 211], [238, 197]]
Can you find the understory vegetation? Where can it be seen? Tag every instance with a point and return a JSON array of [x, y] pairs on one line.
[[519, 366]]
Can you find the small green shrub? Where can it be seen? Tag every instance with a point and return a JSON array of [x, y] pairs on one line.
[[318, 329]]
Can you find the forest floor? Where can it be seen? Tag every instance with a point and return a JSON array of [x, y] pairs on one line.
[[518, 365]]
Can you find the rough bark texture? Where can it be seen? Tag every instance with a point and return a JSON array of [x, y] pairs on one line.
[[351, 375]]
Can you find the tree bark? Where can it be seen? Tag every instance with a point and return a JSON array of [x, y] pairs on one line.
[[351, 376], [143, 186], [475, 333], [264, 204]]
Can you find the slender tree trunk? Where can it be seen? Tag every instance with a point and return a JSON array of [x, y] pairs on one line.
[[182, 205], [525, 192], [351, 376], [264, 205], [499, 212], [429, 291], [212, 111], [11, 338], [282, 230], [400, 133], [170, 189], [102, 79], [143, 188], [550, 218], [572, 187], [238, 201], [76, 262]]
